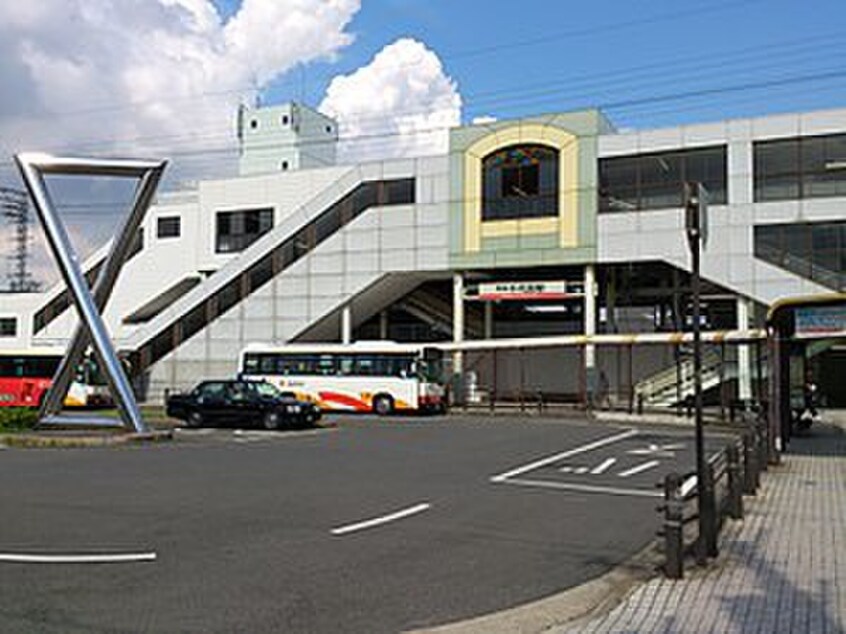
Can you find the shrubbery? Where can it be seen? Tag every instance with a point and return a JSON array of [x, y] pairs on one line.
[[17, 418]]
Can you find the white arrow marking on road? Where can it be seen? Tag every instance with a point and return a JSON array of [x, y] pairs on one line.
[[603, 467], [502, 477], [639, 468], [660, 451], [376, 521]]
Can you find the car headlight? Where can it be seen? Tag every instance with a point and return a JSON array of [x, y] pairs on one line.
[[293, 409]]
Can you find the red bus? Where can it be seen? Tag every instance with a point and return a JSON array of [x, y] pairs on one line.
[[26, 375]]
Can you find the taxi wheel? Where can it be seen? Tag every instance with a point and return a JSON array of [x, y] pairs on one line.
[[271, 420]]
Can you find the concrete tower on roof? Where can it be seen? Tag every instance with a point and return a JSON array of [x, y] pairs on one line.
[[283, 138]]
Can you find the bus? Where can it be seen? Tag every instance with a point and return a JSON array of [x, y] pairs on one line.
[[26, 375], [380, 376]]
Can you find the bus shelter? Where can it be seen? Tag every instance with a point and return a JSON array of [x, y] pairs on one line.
[[798, 329]]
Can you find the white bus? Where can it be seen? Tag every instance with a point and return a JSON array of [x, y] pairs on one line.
[[368, 376]]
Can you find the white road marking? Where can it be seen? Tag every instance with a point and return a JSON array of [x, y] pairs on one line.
[[659, 451], [639, 468], [584, 488], [566, 469], [580, 470], [688, 486], [384, 519], [76, 559], [565, 454], [603, 467]]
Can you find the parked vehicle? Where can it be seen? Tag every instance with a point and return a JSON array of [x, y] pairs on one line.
[[26, 375], [247, 403], [367, 376]]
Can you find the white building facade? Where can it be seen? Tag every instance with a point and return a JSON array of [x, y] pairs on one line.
[[298, 248]]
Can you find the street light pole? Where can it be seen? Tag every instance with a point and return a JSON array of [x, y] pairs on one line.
[[696, 226]]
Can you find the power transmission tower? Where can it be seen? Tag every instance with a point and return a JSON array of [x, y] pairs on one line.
[[14, 206]]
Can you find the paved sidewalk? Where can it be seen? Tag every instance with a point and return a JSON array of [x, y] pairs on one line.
[[781, 569]]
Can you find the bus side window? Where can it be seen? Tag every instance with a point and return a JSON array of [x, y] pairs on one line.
[[345, 366]]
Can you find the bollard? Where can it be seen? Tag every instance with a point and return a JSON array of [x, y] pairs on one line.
[[673, 527], [750, 464], [707, 543], [735, 488]]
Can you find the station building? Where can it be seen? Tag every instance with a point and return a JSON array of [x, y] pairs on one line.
[[539, 226]]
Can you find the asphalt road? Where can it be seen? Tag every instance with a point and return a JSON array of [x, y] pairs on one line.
[[262, 532]]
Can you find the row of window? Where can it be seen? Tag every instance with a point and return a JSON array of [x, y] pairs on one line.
[[814, 250], [330, 365], [783, 169], [801, 167], [656, 181]]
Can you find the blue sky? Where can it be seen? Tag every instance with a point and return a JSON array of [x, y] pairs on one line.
[[747, 57], [164, 78]]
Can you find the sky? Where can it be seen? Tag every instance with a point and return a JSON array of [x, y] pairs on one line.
[[163, 78]]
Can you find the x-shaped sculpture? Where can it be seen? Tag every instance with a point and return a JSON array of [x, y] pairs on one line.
[[91, 330]]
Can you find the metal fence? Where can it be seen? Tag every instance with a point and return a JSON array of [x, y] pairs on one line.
[[731, 473]]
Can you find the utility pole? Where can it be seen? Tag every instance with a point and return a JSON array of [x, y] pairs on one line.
[[14, 206], [696, 226]]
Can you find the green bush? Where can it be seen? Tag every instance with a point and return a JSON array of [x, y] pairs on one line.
[[17, 418]]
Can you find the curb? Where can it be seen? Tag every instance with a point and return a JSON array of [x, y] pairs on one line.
[[584, 601], [44, 441]]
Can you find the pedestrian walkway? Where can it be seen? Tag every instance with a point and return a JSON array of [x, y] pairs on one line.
[[781, 569]]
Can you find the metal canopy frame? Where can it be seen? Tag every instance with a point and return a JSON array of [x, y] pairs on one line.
[[91, 330]]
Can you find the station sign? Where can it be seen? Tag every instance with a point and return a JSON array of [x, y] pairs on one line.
[[528, 291], [820, 321]]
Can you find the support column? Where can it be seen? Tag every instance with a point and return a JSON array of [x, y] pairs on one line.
[[458, 323], [383, 325], [589, 330], [489, 320], [744, 357], [346, 324]]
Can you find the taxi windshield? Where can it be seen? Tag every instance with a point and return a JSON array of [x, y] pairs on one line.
[[266, 389]]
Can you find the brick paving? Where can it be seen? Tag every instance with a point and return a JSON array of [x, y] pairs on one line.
[[781, 569]]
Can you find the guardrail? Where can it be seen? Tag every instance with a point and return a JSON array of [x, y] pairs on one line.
[[730, 473]]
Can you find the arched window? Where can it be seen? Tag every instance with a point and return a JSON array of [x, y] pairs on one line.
[[520, 181]]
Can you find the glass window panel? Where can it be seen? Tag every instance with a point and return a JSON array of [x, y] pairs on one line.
[[708, 166], [8, 327], [261, 273], [823, 236], [328, 223], [520, 181], [776, 157], [399, 192], [661, 181], [168, 227], [236, 230]]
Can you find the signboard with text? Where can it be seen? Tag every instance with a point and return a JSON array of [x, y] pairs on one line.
[[528, 291], [821, 321]]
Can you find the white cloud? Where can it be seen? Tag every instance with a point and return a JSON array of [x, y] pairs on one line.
[[400, 104], [144, 76], [148, 77]]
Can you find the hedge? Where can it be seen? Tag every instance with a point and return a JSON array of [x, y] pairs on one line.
[[17, 418]]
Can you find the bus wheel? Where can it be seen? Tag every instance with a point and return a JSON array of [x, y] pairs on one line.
[[195, 419], [383, 405]]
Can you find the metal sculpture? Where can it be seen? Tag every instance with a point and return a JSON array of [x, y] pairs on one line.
[[91, 330]]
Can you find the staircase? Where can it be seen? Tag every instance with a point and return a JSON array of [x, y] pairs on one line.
[[663, 390]]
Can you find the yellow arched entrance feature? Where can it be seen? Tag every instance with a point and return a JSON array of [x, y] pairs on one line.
[[565, 224]]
